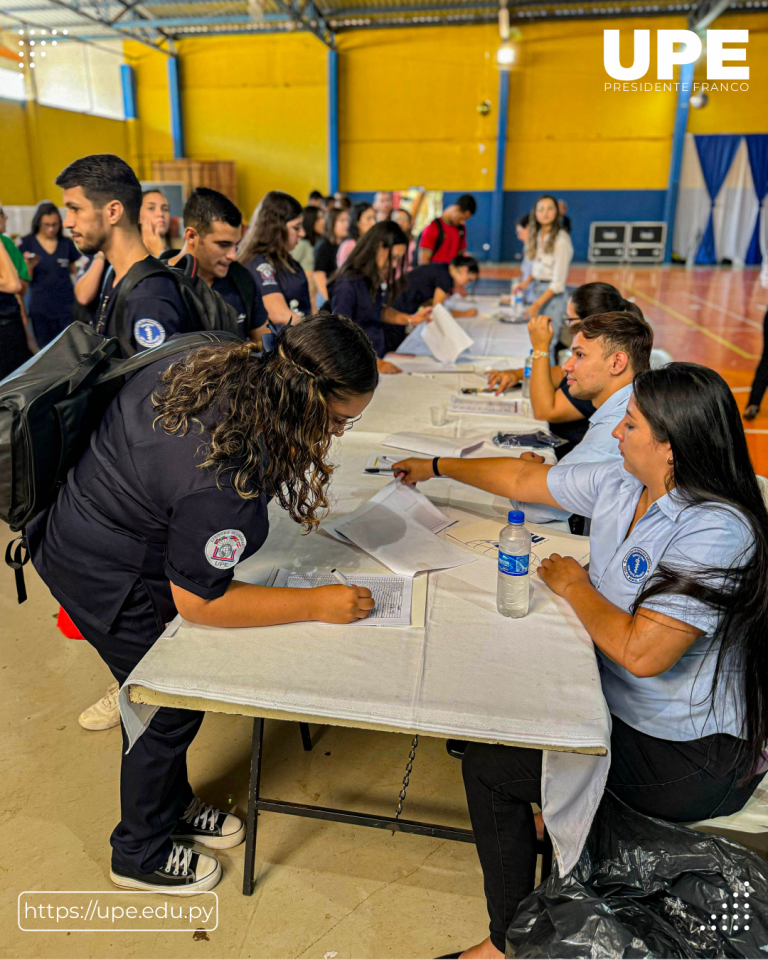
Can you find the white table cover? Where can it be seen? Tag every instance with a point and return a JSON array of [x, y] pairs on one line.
[[468, 673]]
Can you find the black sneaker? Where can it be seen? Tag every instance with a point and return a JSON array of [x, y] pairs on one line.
[[209, 826], [184, 874]]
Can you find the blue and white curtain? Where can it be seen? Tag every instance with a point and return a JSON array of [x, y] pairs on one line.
[[722, 207]]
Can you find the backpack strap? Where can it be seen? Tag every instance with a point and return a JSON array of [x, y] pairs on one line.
[[177, 344], [148, 267], [245, 286]]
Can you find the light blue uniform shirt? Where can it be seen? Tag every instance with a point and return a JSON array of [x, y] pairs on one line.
[[676, 705], [597, 446]]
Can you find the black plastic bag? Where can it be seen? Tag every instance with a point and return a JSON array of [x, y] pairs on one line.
[[647, 888]]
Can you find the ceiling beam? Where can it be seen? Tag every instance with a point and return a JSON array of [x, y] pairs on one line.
[[73, 28], [705, 12], [307, 15], [207, 21]]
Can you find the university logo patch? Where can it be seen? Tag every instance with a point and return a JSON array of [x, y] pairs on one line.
[[266, 271], [225, 548], [148, 333], [636, 565]]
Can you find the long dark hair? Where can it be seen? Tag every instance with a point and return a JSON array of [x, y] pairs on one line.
[[357, 211], [272, 429], [330, 224], [267, 233], [45, 209], [362, 261], [692, 408], [534, 227], [309, 217], [599, 297]]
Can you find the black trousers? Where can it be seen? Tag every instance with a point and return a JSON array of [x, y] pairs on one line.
[[679, 781], [760, 383], [154, 790]]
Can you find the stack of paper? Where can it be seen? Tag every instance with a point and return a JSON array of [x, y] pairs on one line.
[[431, 446], [490, 406], [398, 527], [410, 364], [391, 594], [444, 336]]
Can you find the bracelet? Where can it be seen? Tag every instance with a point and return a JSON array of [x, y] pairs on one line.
[[434, 467], [540, 354]]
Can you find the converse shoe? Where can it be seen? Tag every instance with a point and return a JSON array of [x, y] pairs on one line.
[[209, 826], [103, 714], [184, 874]]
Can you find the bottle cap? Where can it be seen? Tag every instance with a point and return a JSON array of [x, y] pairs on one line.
[[516, 516]]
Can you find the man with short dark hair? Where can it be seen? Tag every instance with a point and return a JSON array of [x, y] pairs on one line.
[[446, 237], [103, 198], [212, 230], [436, 282], [608, 350], [315, 199]]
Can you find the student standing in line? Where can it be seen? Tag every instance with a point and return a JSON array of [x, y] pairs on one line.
[[315, 199], [435, 282], [562, 207], [362, 289], [363, 218], [170, 495], [446, 236], [383, 203], [212, 229], [551, 399], [675, 601], [14, 349], [404, 220], [155, 222], [336, 231], [313, 223], [52, 262], [551, 250], [265, 250], [103, 199]]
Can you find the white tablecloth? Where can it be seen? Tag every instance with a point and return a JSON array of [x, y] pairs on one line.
[[468, 673]]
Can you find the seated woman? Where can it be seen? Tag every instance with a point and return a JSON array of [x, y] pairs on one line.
[[551, 400], [433, 283], [313, 224], [363, 217], [362, 289], [171, 494], [326, 248], [275, 229], [550, 249], [675, 601]]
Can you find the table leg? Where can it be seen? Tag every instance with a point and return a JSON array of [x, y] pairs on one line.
[[254, 787], [306, 736]]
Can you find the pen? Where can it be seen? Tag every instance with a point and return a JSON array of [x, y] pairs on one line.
[[340, 577], [378, 469]]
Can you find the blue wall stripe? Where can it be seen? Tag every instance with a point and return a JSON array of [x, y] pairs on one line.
[[333, 121], [128, 81], [497, 210], [676, 158], [174, 92]]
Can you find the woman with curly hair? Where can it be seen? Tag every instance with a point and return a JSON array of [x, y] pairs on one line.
[[275, 228], [171, 494]]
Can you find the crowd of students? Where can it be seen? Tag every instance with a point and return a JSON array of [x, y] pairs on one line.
[[657, 466]]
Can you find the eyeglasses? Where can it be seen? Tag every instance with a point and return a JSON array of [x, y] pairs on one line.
[[340, 425]]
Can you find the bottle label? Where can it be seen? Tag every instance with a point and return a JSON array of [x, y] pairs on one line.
[[513, 566]]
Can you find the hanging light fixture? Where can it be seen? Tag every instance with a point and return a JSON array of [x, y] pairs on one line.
[[508, 53]]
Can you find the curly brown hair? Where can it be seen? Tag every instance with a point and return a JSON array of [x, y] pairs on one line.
[[267, 233], [270, 424]]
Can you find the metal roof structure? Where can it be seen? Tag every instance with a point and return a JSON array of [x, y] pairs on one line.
[[158, 22]]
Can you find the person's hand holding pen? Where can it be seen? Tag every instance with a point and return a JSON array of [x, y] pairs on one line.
[[344, 603]]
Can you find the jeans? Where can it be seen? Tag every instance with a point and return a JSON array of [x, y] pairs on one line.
[[679, 781], [554, 308]]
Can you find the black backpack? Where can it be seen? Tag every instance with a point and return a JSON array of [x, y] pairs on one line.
[[48, 409], [204, 307], [440, 238]]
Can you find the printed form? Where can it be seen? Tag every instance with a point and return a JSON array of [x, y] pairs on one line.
[[393, 595]]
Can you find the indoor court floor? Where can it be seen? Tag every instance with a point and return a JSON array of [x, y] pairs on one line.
[[712, 316]]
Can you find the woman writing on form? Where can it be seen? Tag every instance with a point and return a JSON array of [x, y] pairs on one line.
[[675, 601]]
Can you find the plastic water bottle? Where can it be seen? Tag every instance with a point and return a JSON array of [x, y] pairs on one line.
[[512, 597], [518, 305], [527, 375]]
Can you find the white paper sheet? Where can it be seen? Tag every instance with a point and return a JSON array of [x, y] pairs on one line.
[[409, 364], [431, 446], [399, 541], [490, 406], [380, 463], [444, 336], [483, 538], [392, 594]]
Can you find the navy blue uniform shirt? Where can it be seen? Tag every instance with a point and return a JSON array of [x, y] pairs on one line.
[[227, 291], [421, 285], [351, 298], [137, 506], [51, 294], [154, 311], [291, 283]]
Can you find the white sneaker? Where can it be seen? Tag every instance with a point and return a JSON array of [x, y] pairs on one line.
[[103, 714], [185, 873], [209, 826]]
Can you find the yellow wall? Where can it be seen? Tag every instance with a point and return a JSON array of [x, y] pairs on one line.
[[152, 134], [44, 141], [262, 102], [408, 108], [742, 111]]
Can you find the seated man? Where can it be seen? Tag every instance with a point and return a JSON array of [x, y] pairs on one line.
[[212, 229], [435, 282], [446, 236]]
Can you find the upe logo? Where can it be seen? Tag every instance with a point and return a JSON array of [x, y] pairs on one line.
[[667, 57]]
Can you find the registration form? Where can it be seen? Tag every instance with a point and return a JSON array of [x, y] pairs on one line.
[[392, 594]]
